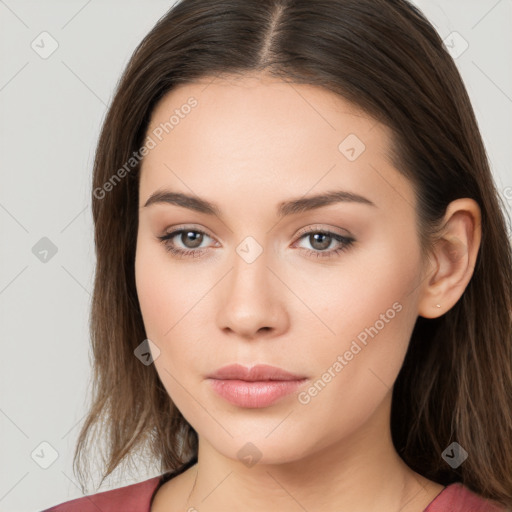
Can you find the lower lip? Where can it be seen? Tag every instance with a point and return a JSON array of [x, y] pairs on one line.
[[254, 394]]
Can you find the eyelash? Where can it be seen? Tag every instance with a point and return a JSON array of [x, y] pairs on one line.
[[169, 247]]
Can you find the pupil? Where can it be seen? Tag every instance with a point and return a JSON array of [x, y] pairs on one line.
[[326, 240], [197, 238]]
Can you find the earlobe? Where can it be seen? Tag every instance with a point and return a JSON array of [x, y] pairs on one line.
[[454, 253]]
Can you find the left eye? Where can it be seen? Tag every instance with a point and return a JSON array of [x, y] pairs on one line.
[[322, 240], [192, 239]]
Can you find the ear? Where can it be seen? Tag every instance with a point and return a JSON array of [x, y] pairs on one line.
[[452, 259]]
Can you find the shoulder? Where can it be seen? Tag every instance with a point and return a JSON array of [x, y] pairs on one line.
[[131, 498], [458, 498]]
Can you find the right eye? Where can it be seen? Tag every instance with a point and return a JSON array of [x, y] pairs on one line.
[[189, 237]]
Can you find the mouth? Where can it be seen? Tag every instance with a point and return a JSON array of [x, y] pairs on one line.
[[256, 387]]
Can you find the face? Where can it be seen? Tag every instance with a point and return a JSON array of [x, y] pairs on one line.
[[325, 290]]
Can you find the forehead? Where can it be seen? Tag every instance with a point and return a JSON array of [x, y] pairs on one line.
[[260, 103], [260, 129]]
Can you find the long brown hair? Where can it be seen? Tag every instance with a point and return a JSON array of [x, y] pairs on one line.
[[384, 56]]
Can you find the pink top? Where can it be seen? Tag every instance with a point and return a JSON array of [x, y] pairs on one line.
[[138, 497]]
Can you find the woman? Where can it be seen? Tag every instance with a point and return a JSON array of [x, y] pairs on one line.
[[303, 287]]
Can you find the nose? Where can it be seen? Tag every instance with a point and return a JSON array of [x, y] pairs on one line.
[[251, 302]]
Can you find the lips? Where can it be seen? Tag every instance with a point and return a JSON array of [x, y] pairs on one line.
[[260, 372], [259, 386]]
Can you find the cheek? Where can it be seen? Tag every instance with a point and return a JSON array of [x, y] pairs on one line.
[[152, 299], [357, 368], [162, 308], [170, 300], [367, 287], [372, 312], [161, 289]]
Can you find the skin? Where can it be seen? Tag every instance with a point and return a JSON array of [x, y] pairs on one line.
[[249, 144]]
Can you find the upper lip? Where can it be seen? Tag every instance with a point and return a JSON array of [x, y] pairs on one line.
[[259, 372]]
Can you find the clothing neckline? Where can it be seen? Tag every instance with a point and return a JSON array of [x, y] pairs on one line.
[[165, 477], [437, 497]]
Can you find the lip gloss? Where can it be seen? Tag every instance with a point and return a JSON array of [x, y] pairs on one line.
[[254, 394]]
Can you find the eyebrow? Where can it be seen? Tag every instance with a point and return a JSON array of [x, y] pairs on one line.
[[285, 208]]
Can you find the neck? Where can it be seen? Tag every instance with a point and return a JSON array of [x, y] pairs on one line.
[[360, 473]]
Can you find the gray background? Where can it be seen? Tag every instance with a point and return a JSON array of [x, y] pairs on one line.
[[51, 112]]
